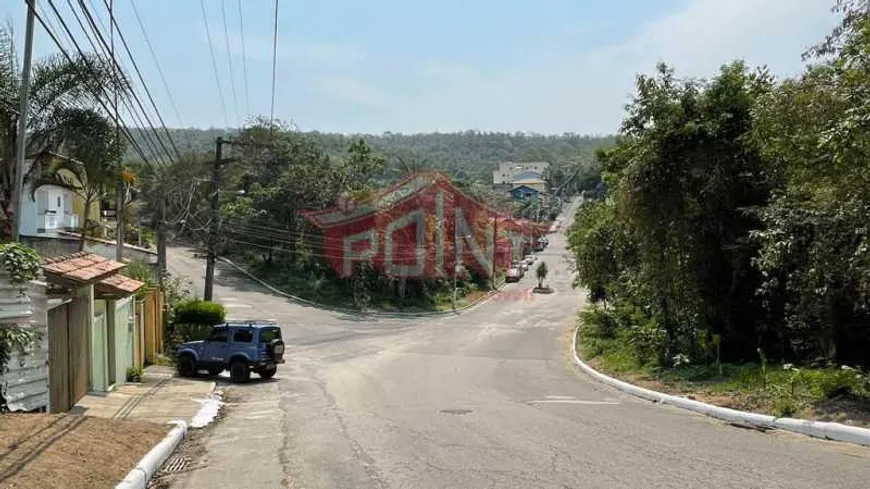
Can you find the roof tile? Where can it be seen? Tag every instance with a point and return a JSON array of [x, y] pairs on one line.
[[82, 267], [120, 284]]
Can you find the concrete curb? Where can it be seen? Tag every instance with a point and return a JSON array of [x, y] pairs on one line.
[[815, 429], [139, 477], [306, 302], [147, 468]]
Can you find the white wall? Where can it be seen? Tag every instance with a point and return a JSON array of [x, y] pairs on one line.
[[47, 197], [25, 383]]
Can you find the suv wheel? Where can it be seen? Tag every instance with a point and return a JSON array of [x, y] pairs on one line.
[[268, 373], [239, 372], [186, 366]]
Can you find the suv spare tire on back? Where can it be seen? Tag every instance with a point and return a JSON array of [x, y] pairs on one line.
[[276, 349]]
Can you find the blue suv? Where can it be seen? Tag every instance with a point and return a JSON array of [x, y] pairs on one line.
[[241, 347]]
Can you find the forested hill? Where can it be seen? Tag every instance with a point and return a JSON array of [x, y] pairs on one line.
[[468, 154]]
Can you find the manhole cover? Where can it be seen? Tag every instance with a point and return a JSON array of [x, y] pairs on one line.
[[176, 464], [457, 412]]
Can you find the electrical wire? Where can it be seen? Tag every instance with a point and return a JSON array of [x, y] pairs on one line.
[[217, 76], [274, 72], [160, 71], [84, 59], [244, 58], [69, 59], [230, 60], [107, 54], [114, 22]]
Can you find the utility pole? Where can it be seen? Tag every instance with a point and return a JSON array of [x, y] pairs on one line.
[[208, 291], [21, 143], [214, 221], [120, 187], [494, 250], [161, 241]]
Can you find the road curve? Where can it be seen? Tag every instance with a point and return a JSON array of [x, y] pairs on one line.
[[487, 399]]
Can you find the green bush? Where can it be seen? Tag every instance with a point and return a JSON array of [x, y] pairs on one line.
[[831, 383], [199, 312]]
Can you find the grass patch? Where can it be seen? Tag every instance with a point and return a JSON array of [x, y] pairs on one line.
[[162, 360], [838, 394]]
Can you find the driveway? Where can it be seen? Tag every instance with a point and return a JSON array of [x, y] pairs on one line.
[[486, 399]]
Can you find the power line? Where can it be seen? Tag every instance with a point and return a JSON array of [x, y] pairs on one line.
[[114, 23], [87, 62], [217, 76], [106, 52], [230, 60], [159, 69], [138, 73], [274, 70], [244, 59]]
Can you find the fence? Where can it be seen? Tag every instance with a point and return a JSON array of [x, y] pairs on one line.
[[149, 320]]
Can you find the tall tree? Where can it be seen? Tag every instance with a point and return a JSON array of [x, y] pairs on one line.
[[88, 163], [57, 85]]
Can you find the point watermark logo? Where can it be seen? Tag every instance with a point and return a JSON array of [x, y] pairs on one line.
[[422, 227]]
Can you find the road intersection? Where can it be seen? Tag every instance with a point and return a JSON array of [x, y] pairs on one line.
[[486, 399]]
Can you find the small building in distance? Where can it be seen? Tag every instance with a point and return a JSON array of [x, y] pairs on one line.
[[508, 171], [530, 179], [521, 192]]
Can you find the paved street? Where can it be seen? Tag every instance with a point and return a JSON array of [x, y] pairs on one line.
[[487, 399]]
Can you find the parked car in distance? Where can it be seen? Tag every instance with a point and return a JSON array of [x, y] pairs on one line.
[[514, 273], [241, 347]]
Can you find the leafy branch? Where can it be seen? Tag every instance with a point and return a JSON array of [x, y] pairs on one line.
[[20, 262]]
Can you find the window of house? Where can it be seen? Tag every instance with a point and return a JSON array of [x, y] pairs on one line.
[[243, 336], [58, 201]]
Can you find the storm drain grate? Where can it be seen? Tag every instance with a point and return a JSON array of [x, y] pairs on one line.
[[176, 464]]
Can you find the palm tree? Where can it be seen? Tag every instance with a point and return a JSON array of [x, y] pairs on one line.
[[57, 86], [88, 165]]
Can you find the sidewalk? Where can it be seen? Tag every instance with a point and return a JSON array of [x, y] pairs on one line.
[[160, 398]]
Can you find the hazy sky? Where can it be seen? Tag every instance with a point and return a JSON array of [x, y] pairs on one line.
[[547, 66]]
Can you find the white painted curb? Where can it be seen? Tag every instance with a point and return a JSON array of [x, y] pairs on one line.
[[139, 477], [816, 429], [307, 302]]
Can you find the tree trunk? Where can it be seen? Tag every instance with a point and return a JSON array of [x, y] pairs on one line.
[[84, 224]]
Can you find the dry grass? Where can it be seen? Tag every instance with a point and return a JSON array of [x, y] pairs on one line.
[[41, 451]]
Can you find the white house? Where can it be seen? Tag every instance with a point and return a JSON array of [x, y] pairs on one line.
[[47, 211]]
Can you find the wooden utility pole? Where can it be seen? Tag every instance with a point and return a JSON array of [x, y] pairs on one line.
[[161, 241], [208, 291], [21, 142], [214, 222]]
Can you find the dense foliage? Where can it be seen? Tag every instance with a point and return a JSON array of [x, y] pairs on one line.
[[21, 264], [273, 175], [469, 155], [736, 216], [64, 94]]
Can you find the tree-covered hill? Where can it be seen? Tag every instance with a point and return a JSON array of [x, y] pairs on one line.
[[470, 154]]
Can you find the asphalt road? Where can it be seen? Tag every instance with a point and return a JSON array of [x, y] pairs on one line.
[[486, 399]]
